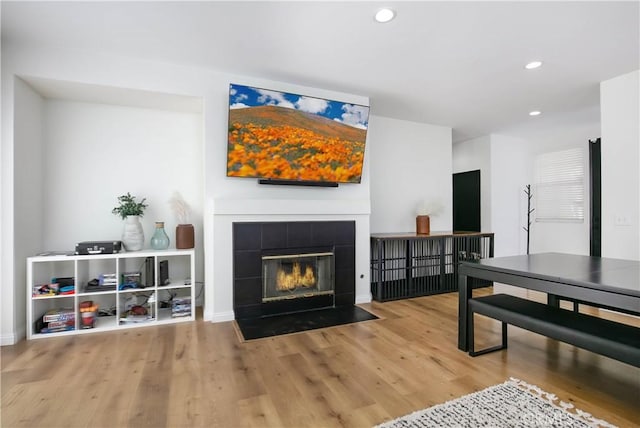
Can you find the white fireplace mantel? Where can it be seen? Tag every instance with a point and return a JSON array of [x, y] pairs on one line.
[[219, 255], [270, 207]]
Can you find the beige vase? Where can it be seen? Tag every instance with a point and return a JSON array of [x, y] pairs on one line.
[[132, 234]]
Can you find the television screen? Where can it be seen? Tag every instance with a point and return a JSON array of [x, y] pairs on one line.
[[282, 136]]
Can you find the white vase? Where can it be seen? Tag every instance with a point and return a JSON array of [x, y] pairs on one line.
[[132, 234]]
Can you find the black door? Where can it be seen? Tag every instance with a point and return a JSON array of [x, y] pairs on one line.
[[596, 198], [466, 201]]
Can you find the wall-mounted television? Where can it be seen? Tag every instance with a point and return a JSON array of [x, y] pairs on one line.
[[281, 136]]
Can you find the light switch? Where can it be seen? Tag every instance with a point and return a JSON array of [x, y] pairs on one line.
[[623, 219]]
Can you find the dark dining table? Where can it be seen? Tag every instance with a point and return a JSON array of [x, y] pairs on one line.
[[603, 282]]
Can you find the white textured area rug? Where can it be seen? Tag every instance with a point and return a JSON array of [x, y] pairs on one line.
[[512, 404]]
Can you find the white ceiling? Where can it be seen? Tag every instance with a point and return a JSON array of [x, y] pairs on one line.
[[456, 64]]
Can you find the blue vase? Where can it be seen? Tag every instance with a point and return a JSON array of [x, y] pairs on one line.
[[159, 240]]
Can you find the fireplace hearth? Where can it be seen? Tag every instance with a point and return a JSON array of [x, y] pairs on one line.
[[292, 267]]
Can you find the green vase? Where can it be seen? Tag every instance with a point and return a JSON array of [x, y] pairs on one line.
[[160, 240]]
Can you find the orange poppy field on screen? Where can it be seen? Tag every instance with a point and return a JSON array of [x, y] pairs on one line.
[[292, 153]]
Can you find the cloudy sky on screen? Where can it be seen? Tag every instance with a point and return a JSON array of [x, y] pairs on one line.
[[350, 114]]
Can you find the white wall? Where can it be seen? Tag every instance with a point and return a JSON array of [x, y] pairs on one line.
[[620, 117], [410, 163], [30, 168], [508, 200], [97, 152], [472, 155]]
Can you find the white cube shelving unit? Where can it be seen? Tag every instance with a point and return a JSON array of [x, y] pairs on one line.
[[156, 298]]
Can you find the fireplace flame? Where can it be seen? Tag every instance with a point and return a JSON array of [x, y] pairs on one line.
[[290, 281]]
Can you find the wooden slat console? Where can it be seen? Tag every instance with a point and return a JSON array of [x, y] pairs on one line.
[[405, 265]]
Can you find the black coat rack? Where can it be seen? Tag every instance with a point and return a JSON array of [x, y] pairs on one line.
[[527, 191]]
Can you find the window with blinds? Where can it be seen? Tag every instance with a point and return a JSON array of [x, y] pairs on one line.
[[560, 186]]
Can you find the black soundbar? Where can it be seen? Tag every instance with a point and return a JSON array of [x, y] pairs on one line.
[[298, 183]]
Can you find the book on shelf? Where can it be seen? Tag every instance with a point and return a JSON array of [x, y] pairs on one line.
[[55, 253], [180, 314], [59, 314], [136, 318], [57, 329]]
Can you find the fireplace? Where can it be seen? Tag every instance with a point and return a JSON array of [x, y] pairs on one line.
[[299, 275], [288, 267]]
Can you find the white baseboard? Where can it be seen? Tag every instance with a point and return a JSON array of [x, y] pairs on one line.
[[221, 317], [364, 298], [10, 339]]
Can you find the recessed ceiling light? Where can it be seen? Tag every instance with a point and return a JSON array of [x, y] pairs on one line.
[[385, 15], [535, 113], [533, 64]]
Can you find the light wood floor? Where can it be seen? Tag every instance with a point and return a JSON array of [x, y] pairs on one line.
[[201, 374]]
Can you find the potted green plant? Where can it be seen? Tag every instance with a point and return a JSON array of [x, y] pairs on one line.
[[127, 205], [130, 210]]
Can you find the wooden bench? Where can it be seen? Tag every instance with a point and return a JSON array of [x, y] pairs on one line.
[[605, 337]]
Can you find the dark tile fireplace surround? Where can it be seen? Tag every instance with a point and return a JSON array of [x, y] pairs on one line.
[[252, 240]]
